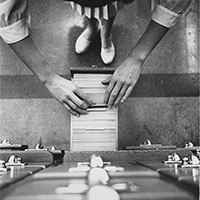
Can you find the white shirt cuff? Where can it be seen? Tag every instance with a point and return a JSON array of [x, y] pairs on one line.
[[163, 16], [15, 32]]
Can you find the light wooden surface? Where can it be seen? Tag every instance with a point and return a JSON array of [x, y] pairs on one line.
[[97, 131]]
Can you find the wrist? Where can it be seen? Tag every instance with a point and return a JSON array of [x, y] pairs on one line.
[[138, 55], [50, 79], [135, 59], [45, 73]]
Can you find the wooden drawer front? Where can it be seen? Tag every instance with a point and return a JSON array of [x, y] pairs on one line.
[[94, 139], [99, 134]]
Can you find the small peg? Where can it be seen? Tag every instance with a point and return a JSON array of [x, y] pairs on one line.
[[173, 159], [190, 144], [15, 161], [147, 142], [96, 161], [6, 142]]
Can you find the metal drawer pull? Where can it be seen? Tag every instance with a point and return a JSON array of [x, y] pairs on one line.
[[98, 107], [96, 129]]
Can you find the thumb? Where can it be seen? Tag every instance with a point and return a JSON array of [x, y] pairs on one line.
[[106, 81]]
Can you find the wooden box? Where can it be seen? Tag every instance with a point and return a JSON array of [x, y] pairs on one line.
[[97, 131]]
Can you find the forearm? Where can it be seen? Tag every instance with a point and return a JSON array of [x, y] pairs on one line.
[[33, 59], [148, 41], [65, 91]]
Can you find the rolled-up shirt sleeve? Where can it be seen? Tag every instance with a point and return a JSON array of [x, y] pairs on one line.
[[167, 12], [14, 20]]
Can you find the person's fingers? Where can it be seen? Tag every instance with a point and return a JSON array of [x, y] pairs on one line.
[[77, 101], [108, 91], [106, 81], [128, 92], [73, 112], [75, 107], [84, 97], [120, 95], [114, 94]]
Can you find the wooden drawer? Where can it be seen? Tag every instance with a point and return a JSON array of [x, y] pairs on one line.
[[97, 131]]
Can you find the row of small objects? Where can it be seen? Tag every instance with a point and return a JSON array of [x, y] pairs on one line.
[[37, 146], [149, 143], [189, 161], [13, 161], [6, 142]]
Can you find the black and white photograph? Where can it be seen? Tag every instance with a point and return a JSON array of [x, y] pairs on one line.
[[99, 100]]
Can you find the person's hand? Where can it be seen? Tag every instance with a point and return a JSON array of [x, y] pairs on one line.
[[121, 83], [69, 95]]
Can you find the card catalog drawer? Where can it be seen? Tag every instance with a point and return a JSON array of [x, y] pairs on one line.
[[85, 140], [97, 131]]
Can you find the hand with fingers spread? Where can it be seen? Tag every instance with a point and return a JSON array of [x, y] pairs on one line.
[[125, 77], [69, 95], [121, 83]]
